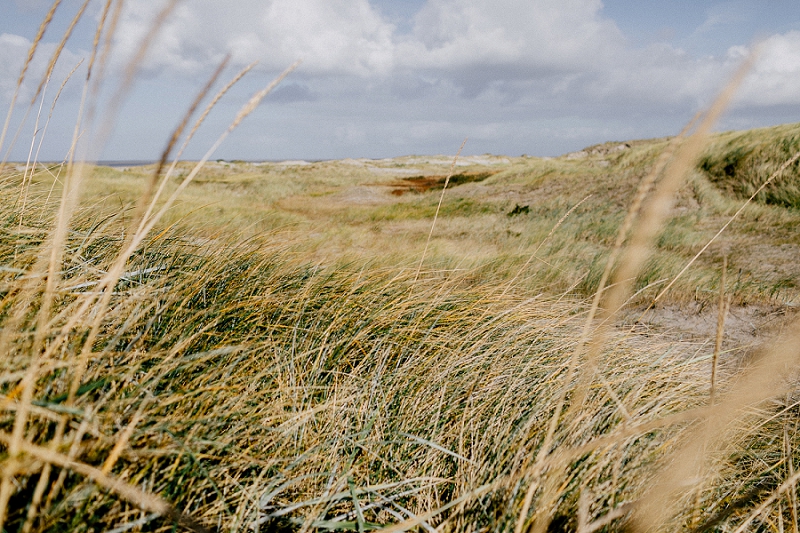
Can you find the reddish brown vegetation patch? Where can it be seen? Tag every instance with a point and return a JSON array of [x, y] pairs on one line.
[[420, 184]]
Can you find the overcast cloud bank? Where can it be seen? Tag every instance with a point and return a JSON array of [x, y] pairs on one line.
[[535, 76]]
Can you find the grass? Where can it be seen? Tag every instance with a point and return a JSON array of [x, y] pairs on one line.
[[295, 347], [254, 368], [346, 209], [740, 161]]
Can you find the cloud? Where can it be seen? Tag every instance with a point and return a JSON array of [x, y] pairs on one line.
[[550, 35], [552, 53], [14, 51], [775, 79], [331, 36], [501, 72], [334, 37], [544, 52]]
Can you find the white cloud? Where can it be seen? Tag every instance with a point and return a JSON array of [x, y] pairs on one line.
[[331, 36], [351, 37], [459, 67], [546, 34], [563, 50], [14, 51], [470, 43], [775, 79]]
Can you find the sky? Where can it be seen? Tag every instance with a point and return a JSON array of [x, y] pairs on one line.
[[384, 78]]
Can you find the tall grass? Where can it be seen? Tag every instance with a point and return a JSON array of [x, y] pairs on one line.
[[249, 368], [158, 378]]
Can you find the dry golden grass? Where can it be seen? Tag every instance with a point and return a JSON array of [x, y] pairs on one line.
[[241, 367], [266, 370]]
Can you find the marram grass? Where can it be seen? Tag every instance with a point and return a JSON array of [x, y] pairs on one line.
[[268, 385], [262, 364], [272, 390]]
